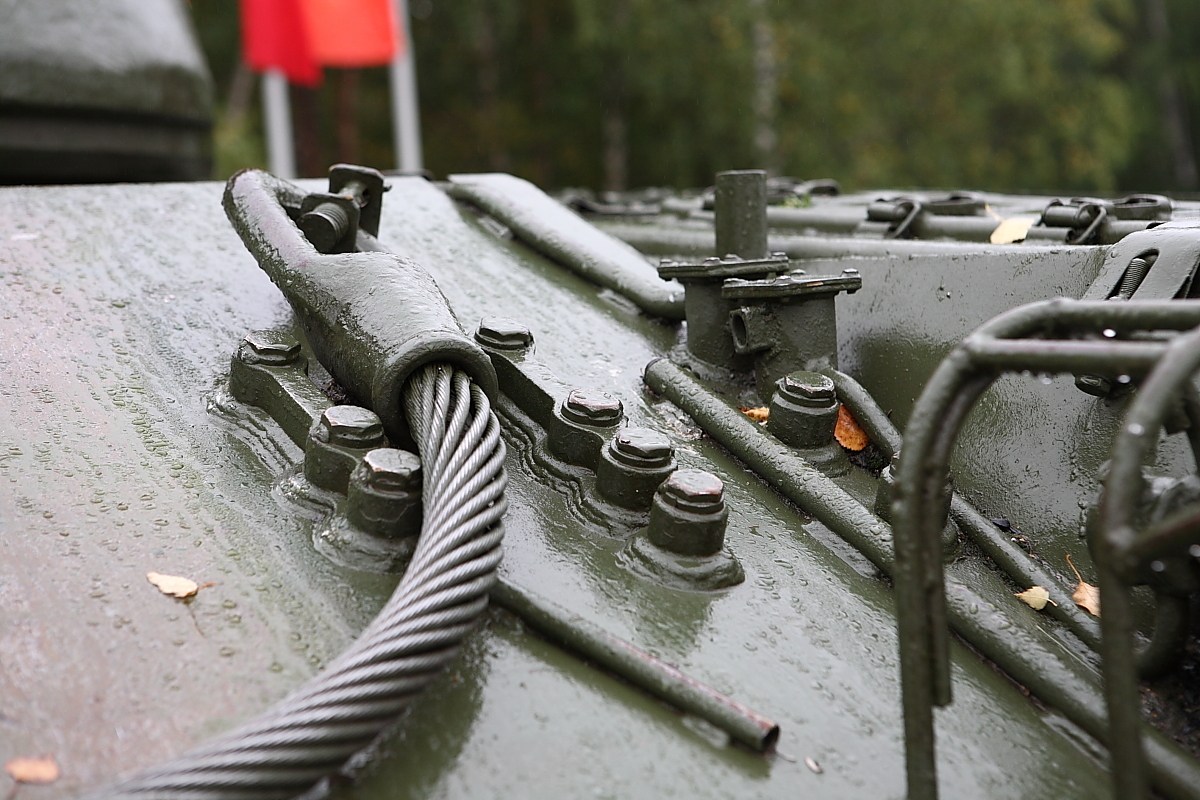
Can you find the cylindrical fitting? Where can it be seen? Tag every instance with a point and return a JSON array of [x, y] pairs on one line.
[[337, 442], [741, 213], [633, 466], [688, 514], [592, 407], [384, 496], [804, 410], [501, 333]]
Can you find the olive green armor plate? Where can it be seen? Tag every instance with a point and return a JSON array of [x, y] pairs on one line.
[[122, 306]]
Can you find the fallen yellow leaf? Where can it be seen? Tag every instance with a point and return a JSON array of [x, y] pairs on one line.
[[1012, 230], [760, 414], [1035, 597], [24, 769], [1086, 596], [173, 584], [848, 432]]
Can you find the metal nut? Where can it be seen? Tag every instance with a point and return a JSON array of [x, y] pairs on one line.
[[502, 333], [643, 447], [694, 490], [390, 470], [592, 407], [272, 348], [350, 426], [808, 388]]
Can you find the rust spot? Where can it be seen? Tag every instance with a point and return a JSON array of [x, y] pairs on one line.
[[849, 433]]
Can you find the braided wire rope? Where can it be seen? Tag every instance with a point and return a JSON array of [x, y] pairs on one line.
[[313, 731]]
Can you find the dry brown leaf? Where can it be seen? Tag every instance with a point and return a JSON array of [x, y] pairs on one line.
[[1035, 597], [760, 414], [24, 769], [1085, 596], [173, 584], [848, 432]]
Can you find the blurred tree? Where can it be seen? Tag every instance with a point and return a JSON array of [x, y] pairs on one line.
[[1072, 95]]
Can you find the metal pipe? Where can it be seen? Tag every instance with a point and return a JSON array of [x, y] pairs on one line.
[[978, 528], [638, 667], [1014, 641], [559, 234], [277, 116]]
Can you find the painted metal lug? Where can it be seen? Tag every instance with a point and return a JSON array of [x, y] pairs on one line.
[[269, 371], [787, 322], [684, 545], [375, 529], [337, 443], [804, 412], [633, 466]]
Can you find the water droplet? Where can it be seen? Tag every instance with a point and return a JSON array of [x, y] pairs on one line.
[[1157, 566], [1109, 333]]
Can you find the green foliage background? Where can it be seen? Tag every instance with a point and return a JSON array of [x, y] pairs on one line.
[[1037, 95]]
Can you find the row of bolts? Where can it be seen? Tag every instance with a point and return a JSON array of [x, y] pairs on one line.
[[346, 453]]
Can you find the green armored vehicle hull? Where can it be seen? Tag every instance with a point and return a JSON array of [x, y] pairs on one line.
[[699, 587]]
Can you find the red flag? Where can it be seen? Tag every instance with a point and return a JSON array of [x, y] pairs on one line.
[[275, 36], [351, 33]]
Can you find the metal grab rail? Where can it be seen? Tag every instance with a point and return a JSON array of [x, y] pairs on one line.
[[1122, 552], [933, 428]]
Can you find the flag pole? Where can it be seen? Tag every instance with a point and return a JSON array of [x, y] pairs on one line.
[[277, 118], [406, 121]]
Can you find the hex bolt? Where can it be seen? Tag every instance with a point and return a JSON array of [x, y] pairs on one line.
[[688, 514], [270, 348], [633, 466], [384, 496], [502, 333], [592, 407], [804, 410], [336, 443]]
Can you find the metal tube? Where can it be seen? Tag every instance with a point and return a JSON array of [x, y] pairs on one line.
[[557, 233], [277, 116], [1013, 641], [638, 667], [406, 111], [978, 528]]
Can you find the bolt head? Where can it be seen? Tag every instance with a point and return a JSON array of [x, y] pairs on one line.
[[275, 348], [592, 407], [809, 388], [643, 446], [350, 426], [502, 333], [389, 470], [694, 490]]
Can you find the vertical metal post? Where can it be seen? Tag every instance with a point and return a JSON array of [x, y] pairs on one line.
[[406, 114], [741, 213], [277, 118]]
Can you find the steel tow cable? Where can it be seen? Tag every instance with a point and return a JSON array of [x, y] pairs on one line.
[[311, 733]]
